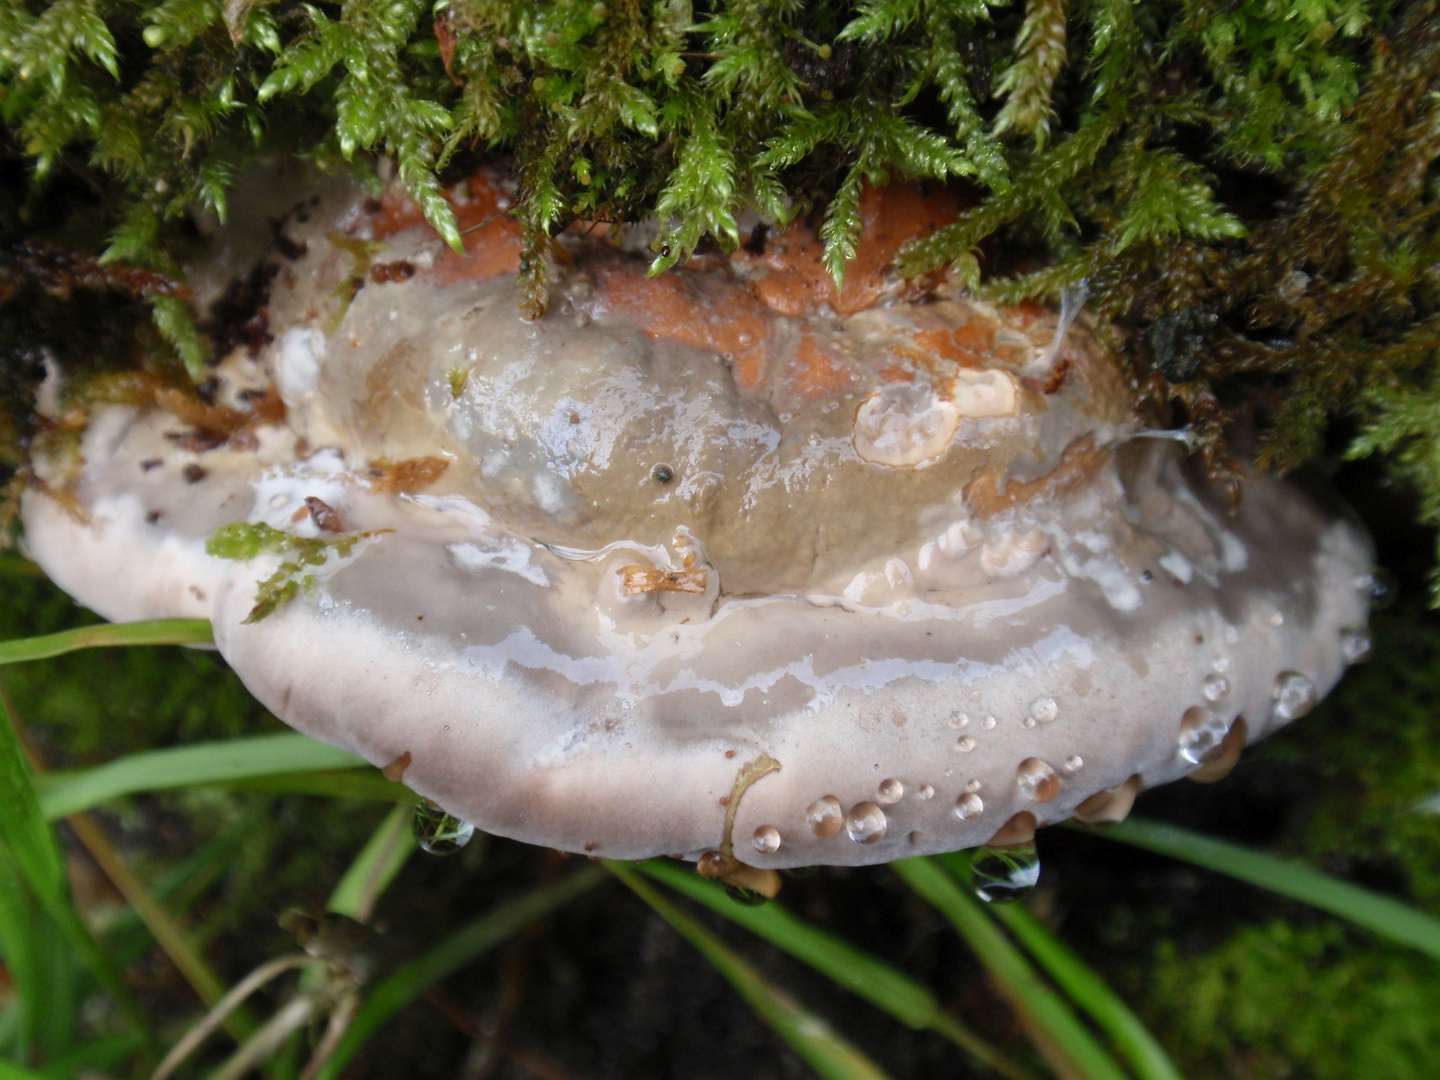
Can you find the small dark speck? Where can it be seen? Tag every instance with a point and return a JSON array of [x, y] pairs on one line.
[[729, 753], [1146, 575], [663, 474], [194, 473], [152, 517], [1199, 639], [589, 845], [323, 514], [419, 618], [574, 418], [150, 463], [289, 249]]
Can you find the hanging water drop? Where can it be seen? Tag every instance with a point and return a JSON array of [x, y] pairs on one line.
[[437, 832], [1356, 644], [890, 791], [925, 791], [1380, 585], [989, 723], [1201, 731], [741, 895], [1216, 688], [1044, 710], [965, 744], [1004, 875], [1294, 697], [866, 823]]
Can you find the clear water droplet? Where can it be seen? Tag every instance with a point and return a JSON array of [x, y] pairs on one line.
[[1200, 732], [437, 832], [1037, 780], [741, 895], [989, 723], [925, 791], [966, 744], [1356, 644], [968, 806], [1028, 723], [1277, 618], [1216, 688], [1004, 875], [825, 816], [1294, 697], [972, 785], [1074, 763], [866, 823], [890, 791], [766, 839], [959, 721], [1044, 709]]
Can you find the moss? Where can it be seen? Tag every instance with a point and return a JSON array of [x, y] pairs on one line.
[[1247, 188], [1282, 1000]]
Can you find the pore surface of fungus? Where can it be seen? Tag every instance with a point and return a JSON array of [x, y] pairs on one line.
[[572, 576]]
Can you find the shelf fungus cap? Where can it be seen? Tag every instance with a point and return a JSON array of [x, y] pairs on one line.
[[723, 563]]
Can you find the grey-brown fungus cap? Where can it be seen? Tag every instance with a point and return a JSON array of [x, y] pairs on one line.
[[573, 576]]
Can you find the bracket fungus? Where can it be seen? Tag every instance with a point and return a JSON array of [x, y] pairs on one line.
[[901, 560]]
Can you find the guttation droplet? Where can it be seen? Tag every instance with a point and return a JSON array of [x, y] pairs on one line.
[[1037, 780], [825, 816], [866, 823], [925, 791], [1294, 696], [965, 744], [1216, 688], [968, 806], [890, 791], [989, 723], [1200, 732], [1074, 763], [1004, 875], [766, 839], [1044, 709], [437, 832], [1356, 644]]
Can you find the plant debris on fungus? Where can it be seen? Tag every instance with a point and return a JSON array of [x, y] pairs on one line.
[[917, 550]]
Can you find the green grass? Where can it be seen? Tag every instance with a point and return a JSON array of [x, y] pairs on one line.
[[1070, 1021]]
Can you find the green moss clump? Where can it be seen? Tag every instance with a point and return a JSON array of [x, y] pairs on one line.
[[1285, 1000], [1247, 188]]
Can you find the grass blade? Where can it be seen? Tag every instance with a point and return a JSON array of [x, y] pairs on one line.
[[1387, 917], [157, 632], [187, 766], [809, 1036], [1057, 1031], [408, 982], [1087, 989], [375, 867], [30, 840], [875, 981]]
